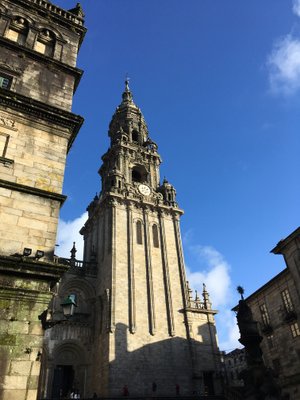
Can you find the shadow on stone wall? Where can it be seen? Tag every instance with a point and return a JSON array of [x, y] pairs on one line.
[[4, 366]]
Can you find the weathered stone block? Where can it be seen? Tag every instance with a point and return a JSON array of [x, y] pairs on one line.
[[20, 367]]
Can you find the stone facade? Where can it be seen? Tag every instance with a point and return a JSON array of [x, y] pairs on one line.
[[234, 364], [136, 323], [276, 306], [38, 49]]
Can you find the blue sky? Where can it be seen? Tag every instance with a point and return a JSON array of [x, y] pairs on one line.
[[219, 85]]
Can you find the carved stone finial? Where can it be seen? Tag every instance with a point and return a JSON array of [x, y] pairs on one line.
[[127, 95], [206, 299], [190, 291], [127, 83], [73, 252], [241, 291], [78, 10]]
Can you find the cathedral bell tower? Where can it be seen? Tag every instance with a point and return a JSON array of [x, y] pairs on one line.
[[152, 337]]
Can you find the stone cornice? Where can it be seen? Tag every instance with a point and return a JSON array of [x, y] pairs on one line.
[[24, 266], [76, 72], [42, 111], [32, 190], [112, 199], [200, 311], [279, 248], [143, 203]]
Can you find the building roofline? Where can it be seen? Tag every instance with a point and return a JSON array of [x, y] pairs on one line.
[[282, 273], [284, 242]]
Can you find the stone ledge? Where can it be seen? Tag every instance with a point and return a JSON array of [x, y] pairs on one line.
[[7, 162], [32, 190], [24, 266], [43, 111]]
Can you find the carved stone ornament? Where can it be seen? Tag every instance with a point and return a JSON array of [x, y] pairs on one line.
[[6, 66], [9, 123]]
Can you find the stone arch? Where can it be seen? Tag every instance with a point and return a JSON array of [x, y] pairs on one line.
[[17, 29], [67, 368], [56, 32], [139, 231], [83, 292], [45, 42], [86, 289], [139, 174], [69, 351], [155, 235]]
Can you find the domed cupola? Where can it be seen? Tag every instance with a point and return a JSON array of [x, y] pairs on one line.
[[169, 193], [128, 123]]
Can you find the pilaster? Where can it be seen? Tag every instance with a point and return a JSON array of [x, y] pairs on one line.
[[151, 307], [166, 273]]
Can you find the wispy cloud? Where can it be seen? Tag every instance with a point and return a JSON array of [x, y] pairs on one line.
[[68, 232], [296, 7], [284, 66], [283, 62], [211, 268]]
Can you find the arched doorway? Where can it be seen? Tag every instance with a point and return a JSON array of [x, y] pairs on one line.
[[69, 370]]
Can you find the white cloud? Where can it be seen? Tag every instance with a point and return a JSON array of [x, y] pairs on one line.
[[68, 232], [212, 269], [284, 65], [296, 7], [214, 273]]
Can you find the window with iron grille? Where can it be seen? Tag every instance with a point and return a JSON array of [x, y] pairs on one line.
[[295, 329], [264, 314], [5, 81], [287, 302]]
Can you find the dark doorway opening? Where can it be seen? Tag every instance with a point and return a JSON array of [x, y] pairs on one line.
[[208, 382], [62, 381]]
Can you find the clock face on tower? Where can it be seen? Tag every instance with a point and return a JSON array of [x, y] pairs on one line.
[[144, 189]]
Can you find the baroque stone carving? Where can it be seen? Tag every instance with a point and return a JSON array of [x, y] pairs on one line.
[[7, 122]]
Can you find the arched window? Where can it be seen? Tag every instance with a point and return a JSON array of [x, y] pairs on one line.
[[139, 234], [155, 236], [18, 30], [45, 43], [139, 174], [135, 136]]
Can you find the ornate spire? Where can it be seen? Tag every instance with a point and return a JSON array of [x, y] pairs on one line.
[[127, 95], [206, 300]]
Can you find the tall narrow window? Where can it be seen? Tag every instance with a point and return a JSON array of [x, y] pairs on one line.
[[135, 136], [155, 236], [287, 302], [270, 341], [295, 329], [264, 314], [139, 235]]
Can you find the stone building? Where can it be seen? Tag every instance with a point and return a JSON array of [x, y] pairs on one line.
[[136, 324], [234, 364], [276, 306], [38, 76]]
